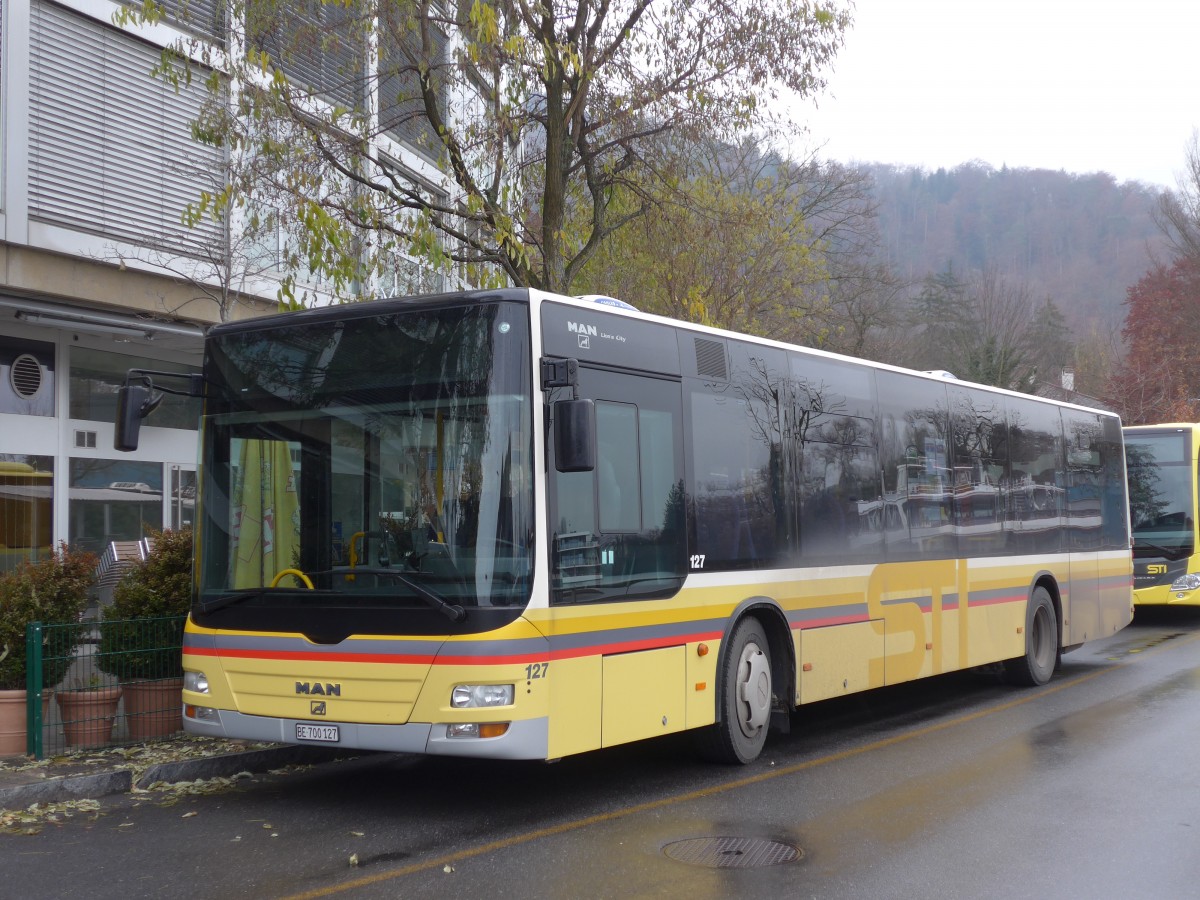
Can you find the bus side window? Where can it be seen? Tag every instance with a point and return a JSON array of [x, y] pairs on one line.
[[619, 529], [617, 470]]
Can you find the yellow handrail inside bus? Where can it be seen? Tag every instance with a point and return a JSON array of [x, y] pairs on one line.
[[354, 550], [275, 581]]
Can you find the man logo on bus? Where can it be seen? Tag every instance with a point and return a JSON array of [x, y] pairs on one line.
[[583, 333], [316, 708], [317, 689]]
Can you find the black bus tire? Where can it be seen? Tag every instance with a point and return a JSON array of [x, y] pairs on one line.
[[744, 695], [1041, 643]]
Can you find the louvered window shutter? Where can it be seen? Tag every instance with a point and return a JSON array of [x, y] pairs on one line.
[[111, 150]]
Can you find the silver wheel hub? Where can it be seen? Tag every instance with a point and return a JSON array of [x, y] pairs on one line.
[[753, 690]]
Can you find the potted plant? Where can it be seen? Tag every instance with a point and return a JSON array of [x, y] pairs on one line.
[[141, 635], [53, 591], [89, 711]]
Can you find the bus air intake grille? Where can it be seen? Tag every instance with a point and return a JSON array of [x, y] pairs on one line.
[[710, 359]]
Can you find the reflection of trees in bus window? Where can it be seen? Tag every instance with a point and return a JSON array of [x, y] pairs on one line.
[[1148, 498], [842, 513], [980, 458], [735, 517], [832, 390], [1160, 494], [915, 460], [761, 378]]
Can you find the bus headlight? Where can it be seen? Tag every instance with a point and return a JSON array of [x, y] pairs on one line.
[[477, 730], [1186, 583], [195, 681], [472, 696]]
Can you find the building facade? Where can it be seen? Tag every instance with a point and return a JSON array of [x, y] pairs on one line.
[[97, 168]]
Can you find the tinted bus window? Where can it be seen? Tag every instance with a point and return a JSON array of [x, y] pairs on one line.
[[839, 399], [842, 511], [1037, 487], [619, 530], [915, 459], [1095, 488], [1160, 494], [980, 459], [742, 508]]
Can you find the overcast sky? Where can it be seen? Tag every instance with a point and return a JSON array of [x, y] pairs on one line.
[[1076, 85]]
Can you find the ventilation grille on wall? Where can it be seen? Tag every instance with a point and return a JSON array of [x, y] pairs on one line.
[[25, 376], [710, 359]]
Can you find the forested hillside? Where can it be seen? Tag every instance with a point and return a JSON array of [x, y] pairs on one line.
[[1079, 240]]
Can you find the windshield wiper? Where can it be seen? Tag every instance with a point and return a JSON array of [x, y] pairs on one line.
[[1143, 548], [207, 606], [452, 611]]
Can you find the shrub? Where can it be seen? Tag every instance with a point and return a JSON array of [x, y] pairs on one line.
[[142, 631], [52, 591]]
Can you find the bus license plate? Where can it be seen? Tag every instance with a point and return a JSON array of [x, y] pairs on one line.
[[326, 733]]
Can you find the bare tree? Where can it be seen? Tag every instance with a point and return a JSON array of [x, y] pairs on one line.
[[867, 312], [1178, 214]]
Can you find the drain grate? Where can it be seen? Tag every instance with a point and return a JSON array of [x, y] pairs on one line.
[[732, 852]]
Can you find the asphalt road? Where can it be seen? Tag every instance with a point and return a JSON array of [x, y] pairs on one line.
[[959, 787]]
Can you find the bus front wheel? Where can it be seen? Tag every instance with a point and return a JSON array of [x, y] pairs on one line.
[[744, 697], [1041, 643]]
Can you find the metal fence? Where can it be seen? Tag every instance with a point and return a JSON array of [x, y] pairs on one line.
[[102, 684]]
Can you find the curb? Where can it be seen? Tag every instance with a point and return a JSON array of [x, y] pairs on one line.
[[120, 781]]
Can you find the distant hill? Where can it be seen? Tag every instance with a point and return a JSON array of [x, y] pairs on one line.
[[1081, 240]]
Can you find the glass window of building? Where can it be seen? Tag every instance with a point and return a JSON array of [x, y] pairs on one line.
[[96, 376], [113, 500]]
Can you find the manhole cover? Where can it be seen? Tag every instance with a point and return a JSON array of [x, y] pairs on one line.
[[732, 852]]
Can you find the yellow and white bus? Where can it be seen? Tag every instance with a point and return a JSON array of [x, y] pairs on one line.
[[516, 525], [1162, 463]]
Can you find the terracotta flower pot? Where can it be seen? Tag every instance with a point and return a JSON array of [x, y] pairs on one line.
[[88, 716], [153, 708], [13, 738]]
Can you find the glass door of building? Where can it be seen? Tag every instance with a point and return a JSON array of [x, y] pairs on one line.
[[182, 498]]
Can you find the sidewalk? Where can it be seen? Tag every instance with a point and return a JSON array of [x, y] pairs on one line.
[[94, 774]]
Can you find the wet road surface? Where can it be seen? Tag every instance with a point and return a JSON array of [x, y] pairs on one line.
[[961, 786]]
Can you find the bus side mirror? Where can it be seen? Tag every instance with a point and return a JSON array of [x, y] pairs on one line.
[[574, 435], [134, 403]]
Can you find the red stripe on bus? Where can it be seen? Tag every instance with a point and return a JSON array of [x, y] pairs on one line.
[[446, 659]]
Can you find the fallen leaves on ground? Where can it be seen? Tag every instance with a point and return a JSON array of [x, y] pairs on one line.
[[137, 758], [36, 816]]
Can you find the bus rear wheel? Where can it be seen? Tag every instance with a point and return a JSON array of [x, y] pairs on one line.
[[745, 690], [1041, 643]]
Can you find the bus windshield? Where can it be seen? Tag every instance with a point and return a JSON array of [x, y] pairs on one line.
[[368, 465], [1160, 494]]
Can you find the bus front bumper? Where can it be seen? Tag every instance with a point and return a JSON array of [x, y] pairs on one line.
[[525, 739], [1162, 595]]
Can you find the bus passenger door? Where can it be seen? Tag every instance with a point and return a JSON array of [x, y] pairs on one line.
[[617, 535]]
